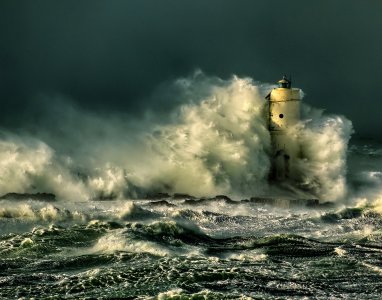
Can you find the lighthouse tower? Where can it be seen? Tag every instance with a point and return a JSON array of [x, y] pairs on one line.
[[284, 112]]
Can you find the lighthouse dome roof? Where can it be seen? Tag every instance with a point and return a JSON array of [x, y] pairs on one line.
[[285, 83]]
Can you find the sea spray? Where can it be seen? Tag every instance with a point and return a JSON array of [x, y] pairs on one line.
[[218, 145], [29, 165], [322, 164], [216, 141]]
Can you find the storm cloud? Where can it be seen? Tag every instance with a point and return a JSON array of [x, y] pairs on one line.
[[116, 56]]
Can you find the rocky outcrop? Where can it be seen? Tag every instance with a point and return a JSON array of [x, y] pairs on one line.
[[48, 197]]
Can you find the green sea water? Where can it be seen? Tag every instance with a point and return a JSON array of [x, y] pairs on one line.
[[173, 250], [195, 248]]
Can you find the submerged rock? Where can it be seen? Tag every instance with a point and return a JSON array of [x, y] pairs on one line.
[[105, 197], [180, 196], [224, 198], [221, 198], [161, 203], [48, 197], [157, 196], [285, 203]]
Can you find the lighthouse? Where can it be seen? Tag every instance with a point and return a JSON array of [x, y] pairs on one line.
[[283, 113]]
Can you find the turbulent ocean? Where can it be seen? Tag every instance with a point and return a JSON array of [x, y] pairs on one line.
[[180, 207]]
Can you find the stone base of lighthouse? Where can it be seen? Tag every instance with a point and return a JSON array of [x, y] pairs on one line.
[[284, 157]]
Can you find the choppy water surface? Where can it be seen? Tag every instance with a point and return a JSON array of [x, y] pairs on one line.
[[213, 249], [188, 248]]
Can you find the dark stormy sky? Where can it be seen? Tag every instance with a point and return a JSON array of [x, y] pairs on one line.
[[110, 56]]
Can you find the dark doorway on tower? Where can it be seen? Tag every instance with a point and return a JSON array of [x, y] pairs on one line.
[[281, 166]]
